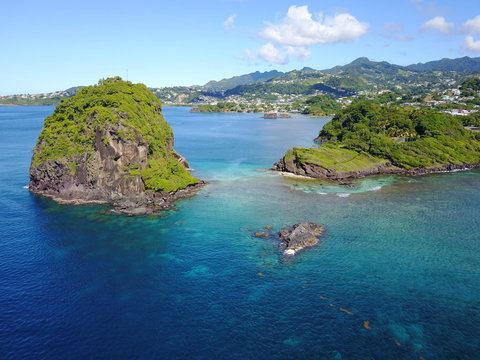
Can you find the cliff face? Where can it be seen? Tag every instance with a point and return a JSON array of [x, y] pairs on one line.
[[316, 171], [331, 162], [110, 144]]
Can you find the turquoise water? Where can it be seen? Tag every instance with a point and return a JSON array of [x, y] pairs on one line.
[[80, 283]]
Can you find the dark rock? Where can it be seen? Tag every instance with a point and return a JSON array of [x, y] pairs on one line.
[[260, 234], [299, 236], [181, 160], [102, 178], [315, 171], [319, 172]]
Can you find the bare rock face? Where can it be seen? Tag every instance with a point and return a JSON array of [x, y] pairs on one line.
[[295, 237], [315, 171], [99, 154], [300, 236], [100, 177]]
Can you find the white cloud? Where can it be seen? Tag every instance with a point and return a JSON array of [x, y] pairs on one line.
[[270, 53], [299, 29], [229, 24], [472, 26], [471, 45], [299, 53], [438, 24]]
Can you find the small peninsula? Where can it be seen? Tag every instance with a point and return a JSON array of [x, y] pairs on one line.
[[110, 144], [368, 139]]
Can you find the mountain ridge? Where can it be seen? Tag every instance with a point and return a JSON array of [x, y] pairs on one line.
[[245, 79], [361, 74], [464, 64]]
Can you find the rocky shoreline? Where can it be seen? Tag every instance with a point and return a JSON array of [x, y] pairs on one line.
[[315, 171], [146, 203], [103, 178]]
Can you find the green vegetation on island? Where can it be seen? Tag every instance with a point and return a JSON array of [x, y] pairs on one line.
[[318, 105], [331, 156], [471, 120], [39, 99], [18, 100], [251, 78], [129, 110], [321, 105], [231, 107], [472, 84], [373, 138], [405, 136]]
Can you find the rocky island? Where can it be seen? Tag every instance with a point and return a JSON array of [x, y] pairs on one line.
[[368, 139], [110, 144], [300, 236], [294, 238]]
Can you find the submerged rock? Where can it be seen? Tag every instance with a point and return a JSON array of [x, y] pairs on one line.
[[110, 144], [299, 236], [261, 234]]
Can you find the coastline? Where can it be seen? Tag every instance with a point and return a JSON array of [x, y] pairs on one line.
[[312, 171], [294, 176], [146, 203], [15, 105], [193, 110]]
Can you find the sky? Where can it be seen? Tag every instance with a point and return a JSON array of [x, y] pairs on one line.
[[53, 45]]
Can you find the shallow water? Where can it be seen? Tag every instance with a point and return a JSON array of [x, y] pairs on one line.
[[401, 253]]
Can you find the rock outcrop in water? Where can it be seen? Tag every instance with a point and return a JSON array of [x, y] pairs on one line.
[[300, 236], [295, 237], [110, 144]]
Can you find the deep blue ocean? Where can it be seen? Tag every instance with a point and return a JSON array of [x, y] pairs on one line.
[[397, 275]]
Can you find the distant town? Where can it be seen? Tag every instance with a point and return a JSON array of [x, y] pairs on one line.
[[448, 85]]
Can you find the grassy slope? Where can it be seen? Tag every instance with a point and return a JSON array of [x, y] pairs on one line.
[[70, 131], [332, 156]]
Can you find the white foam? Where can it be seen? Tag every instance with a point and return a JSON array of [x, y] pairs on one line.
[[376, 188], [25, 187], [289, 252], [343, 195]]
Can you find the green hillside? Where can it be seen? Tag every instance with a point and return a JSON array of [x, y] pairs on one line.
[[232, 82], [369, 135]]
